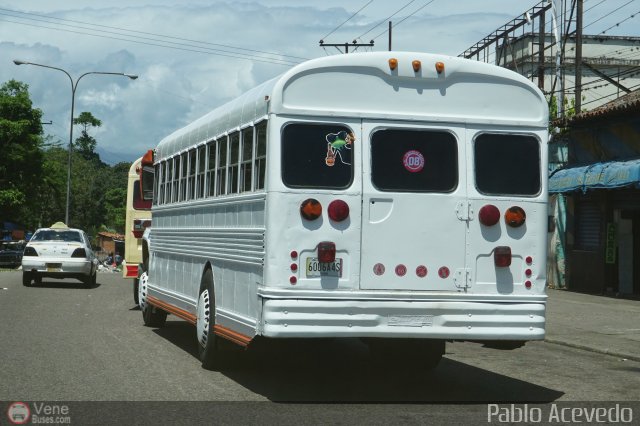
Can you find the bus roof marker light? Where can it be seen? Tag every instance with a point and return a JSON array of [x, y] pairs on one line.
[[440, 67], [416, 65], [393, 64], [311, 209]]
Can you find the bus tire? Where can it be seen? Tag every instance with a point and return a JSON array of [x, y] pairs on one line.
[[136, 289], [208, 343], [152, 316]]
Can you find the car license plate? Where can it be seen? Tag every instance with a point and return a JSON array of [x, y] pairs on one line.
[[320, 269], [54, 267]]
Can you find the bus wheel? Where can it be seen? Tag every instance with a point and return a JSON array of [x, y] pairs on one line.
[[136, 289], [152, 316], [207, 341]]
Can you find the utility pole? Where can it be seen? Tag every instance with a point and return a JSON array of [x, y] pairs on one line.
[[354, 44], [389, 36], [578, 78]]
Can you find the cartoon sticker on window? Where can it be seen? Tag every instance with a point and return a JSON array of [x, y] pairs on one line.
[[336, 143]]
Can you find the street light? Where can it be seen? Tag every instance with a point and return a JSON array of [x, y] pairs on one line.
[[74, 86]]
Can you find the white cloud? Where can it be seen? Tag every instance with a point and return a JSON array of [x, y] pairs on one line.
[[180, 82]]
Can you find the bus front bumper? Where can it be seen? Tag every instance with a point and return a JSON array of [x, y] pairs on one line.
[[440, 319]]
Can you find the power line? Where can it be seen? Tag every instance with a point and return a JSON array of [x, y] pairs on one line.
[[618, 24], [50, 18], [385, 19], [608, 14], [406, 17], [197, 49], [347, 20]]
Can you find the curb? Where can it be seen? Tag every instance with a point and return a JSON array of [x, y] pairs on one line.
[[625, 356]]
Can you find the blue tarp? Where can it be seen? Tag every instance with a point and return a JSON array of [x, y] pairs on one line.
[[613, 174]]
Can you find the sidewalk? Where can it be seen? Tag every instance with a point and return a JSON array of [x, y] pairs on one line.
[[595, 323]]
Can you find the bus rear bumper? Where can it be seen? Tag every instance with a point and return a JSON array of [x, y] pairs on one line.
[[453, 320]]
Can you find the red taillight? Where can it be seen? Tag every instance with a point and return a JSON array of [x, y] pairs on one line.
[[489, 215], [137, 234], [326, 252], [502, 256], [311, 209], [79, 252], [515, 216], [338, 210]]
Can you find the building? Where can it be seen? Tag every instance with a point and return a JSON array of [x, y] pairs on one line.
[[601, 186], [110, 242]]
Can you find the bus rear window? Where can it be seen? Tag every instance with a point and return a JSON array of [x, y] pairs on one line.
[[317, 156], [414, 160], [507, 164]]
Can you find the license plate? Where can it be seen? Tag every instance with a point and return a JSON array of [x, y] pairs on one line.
[[319, 269], [54, 267]]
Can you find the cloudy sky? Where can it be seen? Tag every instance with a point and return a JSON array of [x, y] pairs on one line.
[[194, 56]]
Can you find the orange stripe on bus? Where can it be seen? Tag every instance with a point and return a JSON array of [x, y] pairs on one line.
[[174, 310], [224, 332], [235, 337]]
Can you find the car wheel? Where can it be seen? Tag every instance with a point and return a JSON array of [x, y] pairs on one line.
[[94, 278], [26, 279], [37, 279], [152, 316], [208, 343]]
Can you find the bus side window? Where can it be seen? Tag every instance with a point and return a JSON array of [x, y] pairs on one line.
[[202, 153], [183, 176], [260, 164], [174, 181], [211, 171], [191, 179], [247, 159], [156, 184], [234, 159], [222, 167]]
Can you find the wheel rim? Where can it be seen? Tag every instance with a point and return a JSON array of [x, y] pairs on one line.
[[142, 290], [203, 320]]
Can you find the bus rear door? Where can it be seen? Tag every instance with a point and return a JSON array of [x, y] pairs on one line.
[[415, 209]]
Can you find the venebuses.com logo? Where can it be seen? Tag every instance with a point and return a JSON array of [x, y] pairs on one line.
[[20, 413]]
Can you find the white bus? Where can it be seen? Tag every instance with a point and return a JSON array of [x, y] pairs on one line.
[[137, 219], [396, 197]]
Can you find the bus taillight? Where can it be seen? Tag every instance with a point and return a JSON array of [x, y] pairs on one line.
[[326, 252], [515, 216], [502, 256], [139, 226], [311, 209], [489, 215], [338, 210]]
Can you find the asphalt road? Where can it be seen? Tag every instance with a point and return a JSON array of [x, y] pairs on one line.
[[63, 342]]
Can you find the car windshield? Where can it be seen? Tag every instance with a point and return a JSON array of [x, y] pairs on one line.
[[55, 235]]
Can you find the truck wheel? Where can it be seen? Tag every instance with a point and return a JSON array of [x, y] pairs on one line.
[[208, 343]]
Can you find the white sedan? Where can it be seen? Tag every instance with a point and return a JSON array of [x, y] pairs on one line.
[[59, 252]]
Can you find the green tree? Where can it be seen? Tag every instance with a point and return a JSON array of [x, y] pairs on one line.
[[85, 144], [21, 159]]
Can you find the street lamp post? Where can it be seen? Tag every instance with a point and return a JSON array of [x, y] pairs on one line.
[[74, 86]]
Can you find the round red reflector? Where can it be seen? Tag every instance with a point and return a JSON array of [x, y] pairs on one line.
[[515, 216], [293, 280], [528, 272], [443, 272], [338, 210], [529, 260], [489, 215], [421, 271], [378, 269], [294, 267], [294, 254], [401, 270], [527, 284], [311, 209]]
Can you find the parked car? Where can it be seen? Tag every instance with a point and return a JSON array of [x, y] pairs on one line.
[[59, 252], [10, 254]]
